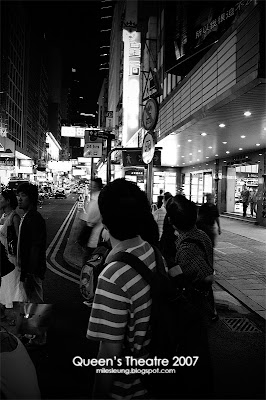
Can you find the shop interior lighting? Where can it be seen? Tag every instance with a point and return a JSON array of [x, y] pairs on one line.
[[247, 113], [264, 128], [207, 164], [190, 154], [258, 161], [240, 148], [216, 155], [207, 157], [203, 134], [227, 152], [224, 142], [178, 145], [257, 144], [199, 151], [183, 163], [260, 154], [182, 156], [210, 147], [189, 140], [242, 136], [221, 125], [224, 160]]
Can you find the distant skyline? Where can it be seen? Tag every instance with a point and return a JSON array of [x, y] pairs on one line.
[[74, 26]]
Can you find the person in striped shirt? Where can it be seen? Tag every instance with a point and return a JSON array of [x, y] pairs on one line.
[[121, 309]]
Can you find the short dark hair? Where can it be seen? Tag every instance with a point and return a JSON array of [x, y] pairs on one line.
[[10, 195], [182, 213], [125, 210], [167, 196], [30, 190], [98, 182]]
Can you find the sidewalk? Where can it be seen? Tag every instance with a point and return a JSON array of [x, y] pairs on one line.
[[239, 261]]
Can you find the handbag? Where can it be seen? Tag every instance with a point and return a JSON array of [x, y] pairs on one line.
[[12, 240], [84, 235], [5, 265], [35, 319]]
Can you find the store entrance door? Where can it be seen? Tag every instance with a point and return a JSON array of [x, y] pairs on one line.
[[237, 177]]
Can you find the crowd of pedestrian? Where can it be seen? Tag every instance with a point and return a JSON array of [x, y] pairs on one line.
[[120, 318]]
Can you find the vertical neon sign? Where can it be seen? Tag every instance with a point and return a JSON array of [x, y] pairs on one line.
[[131, 84]]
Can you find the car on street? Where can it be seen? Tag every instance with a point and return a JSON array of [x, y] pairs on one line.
[[60, 194]]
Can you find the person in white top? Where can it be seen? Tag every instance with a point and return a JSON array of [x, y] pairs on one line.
[[93, 216], [11, 288], [160, 214]]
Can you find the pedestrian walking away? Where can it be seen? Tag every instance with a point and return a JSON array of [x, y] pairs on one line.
[[160, 214], [91, 220], [208, 218]]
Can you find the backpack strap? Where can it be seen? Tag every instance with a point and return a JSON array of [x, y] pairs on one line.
[[135, 263]]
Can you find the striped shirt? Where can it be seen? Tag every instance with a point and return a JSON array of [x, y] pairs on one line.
[[121, 311]]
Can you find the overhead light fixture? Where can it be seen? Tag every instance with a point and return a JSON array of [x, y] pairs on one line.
[[242, 136], [182, 156], [247, 113], [203, 134], [210, 147], [189, 140], [190, 154], [221, 125], [260, 154], [183, 163], [264, 128], [227, 152], [199, 151], [178, 145], [207, 164], [207, 157], [216, 155], [224, 161], [224, 142], [240, 148], [197, 159], [257, 144]]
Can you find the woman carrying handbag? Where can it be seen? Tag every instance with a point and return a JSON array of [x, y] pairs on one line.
[[11, 289]]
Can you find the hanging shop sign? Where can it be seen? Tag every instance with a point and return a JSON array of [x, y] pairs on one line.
[[7, 161], [150, 114], [148, 148]]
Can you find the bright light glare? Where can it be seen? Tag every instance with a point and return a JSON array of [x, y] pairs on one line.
[[247, 114]]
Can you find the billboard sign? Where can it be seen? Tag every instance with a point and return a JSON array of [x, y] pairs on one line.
[[73, 131]]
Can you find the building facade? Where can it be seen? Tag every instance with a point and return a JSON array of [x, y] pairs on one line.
[[204, 63]]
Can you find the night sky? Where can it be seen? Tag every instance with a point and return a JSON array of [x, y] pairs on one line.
[[74, 27]]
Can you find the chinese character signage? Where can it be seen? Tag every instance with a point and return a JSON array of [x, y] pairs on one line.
[[193, 33], [134, 158]]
